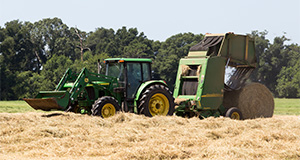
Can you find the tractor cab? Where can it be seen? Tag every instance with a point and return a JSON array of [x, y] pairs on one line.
[[131, 73]]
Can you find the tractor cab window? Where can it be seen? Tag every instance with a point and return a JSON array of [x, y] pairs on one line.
[[146, 72], [116, 70], [134, 75]]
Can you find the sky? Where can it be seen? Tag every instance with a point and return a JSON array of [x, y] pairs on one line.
[[160, 19]]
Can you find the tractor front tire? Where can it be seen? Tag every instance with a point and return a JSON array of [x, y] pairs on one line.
[[156, 100], [105, 107]]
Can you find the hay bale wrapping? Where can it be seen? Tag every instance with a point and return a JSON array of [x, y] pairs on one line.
[[254, 100]]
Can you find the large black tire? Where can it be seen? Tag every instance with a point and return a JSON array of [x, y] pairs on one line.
[[234, 113], [105, 107], [156, 100]]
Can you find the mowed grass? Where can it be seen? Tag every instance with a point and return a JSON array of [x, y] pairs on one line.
[[15, 107], [282, 107], [287, 106]]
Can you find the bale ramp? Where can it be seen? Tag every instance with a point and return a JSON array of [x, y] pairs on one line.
[[254, 100]]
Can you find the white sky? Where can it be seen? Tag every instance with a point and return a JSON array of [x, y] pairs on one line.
[[160, 19]]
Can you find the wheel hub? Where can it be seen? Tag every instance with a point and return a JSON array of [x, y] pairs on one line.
[[159, 104], [235, 115], [108, 110]]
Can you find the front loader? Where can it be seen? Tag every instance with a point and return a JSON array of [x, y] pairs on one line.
[[203, 89], [127, 86]]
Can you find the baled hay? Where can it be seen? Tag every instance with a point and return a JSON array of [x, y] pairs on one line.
[[185, 70], [199, 70], [130, 136], [254, 100]]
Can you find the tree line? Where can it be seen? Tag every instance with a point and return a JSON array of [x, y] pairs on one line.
[[34, 56]]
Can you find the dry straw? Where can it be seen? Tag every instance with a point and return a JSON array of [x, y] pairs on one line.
[[130, 136]]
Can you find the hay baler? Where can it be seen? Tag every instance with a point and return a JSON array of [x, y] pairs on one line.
[[127, 86], [200, 89]]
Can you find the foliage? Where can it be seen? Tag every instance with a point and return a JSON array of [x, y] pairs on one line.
[[34, 56], [288, 80], [278, 65], [167, 56], [125, 43]]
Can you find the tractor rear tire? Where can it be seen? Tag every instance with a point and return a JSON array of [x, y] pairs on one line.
[[156, 100], [234, 113], [105, 107]]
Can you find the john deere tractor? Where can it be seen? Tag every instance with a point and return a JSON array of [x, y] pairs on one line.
[[127, 86]]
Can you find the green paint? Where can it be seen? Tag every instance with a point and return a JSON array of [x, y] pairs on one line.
[[129, 59], [237, 49]]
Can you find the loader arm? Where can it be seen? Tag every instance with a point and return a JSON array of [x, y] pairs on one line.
[[70, 86], [68, 76], [86, 78]]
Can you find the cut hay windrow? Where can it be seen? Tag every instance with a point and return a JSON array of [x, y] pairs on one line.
[[130, 136]]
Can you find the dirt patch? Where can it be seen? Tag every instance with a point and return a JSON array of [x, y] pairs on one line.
[[130, 136]]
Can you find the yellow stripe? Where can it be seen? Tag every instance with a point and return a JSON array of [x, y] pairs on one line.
[[212, 95], [104, 84]]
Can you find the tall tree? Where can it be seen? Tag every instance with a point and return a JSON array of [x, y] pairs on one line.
[[16, 56], [272, 57], [288, 80], [16, 47], [261, 46], [55, 37], [103, 41], [168, 55], [123, 43], [82, 45]]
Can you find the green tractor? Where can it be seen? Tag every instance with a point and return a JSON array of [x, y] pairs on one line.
[[127, 86]]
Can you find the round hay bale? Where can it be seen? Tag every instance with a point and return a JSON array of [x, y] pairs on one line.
[[254, 100]]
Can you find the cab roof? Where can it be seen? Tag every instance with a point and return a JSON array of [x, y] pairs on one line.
[[129, 60]]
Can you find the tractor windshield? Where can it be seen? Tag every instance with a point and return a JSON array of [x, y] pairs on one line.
[[115, 70]]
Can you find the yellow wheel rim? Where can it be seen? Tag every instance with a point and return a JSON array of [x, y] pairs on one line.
[[108, 110], [235, 115], [159, 104]]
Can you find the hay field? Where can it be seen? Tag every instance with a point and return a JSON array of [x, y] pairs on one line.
[[61, 135]]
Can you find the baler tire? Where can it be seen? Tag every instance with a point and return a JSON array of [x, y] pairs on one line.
[[161, 100], [105, 107], [234, 113]]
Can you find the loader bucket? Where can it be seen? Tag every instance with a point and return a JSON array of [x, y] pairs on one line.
[[49, 100]]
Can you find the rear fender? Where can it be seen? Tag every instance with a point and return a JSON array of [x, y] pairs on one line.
[[141, 89]]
